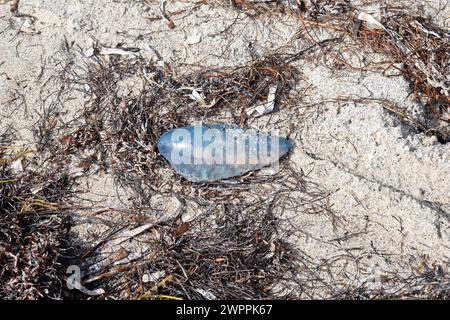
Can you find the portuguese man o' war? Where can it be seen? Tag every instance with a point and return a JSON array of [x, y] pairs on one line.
[[211, 152]]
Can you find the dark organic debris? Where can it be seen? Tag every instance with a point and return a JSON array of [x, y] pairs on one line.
[[424, 50], [33, 227], [237, 255]]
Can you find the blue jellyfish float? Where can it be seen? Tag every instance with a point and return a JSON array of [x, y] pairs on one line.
[[211, 152]]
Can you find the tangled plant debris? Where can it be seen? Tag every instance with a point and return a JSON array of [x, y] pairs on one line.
[[236, 255], [424, 51], [34, 226]]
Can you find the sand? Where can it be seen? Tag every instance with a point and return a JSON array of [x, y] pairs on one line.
[[389, 185]]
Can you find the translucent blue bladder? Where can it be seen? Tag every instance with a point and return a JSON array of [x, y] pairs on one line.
[[205, 153]]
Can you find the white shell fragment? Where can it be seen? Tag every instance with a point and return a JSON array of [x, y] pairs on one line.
[[267, 107], [371, 21]]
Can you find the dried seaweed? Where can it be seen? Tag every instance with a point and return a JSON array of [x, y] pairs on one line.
[[238, 255], [424, 50], [33, 227]]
